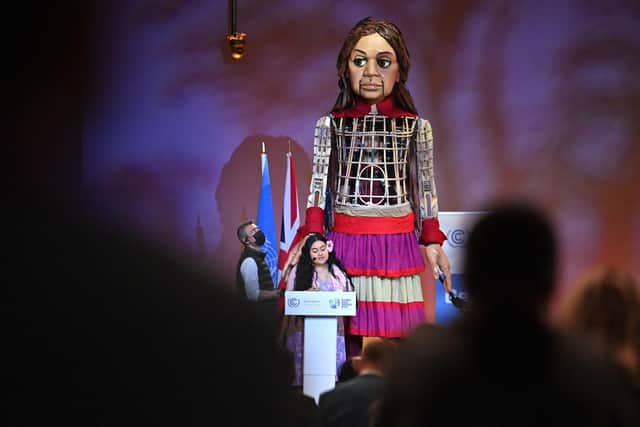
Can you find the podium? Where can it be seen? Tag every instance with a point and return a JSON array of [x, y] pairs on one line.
[[320, 334]]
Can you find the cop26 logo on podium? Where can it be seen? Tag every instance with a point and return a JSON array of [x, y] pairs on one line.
[[456, 226]]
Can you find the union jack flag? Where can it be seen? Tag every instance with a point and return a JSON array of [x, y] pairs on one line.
[[290, 218]]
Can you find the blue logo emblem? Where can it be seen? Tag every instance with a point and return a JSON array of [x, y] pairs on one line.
[[457, 237], [334, 302], [293, 302]]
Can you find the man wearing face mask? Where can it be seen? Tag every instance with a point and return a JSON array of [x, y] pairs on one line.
[[253, 277]]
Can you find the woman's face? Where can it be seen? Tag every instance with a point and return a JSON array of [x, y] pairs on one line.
[[319, 253], [373, 68]]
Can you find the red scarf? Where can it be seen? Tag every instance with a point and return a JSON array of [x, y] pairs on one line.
[[384, 107]]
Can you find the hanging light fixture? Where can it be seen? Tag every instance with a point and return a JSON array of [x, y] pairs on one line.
[[236, 39]]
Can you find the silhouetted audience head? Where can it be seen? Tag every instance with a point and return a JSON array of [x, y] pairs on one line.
[[377, 355], [109, 330], [604, 307], [501, 363], [348, 369], [510, 257]]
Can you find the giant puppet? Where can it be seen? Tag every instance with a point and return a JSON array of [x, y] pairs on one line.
[[373, 186]]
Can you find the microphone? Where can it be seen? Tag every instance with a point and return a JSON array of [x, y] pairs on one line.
[[457, 302]]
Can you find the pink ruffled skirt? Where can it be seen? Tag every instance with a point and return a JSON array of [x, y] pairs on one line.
[[385, 271]]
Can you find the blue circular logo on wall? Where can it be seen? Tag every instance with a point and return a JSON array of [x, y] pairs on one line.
[[456, 237]]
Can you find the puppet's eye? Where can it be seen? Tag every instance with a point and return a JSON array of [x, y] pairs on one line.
[[359, 61], [384, 62]]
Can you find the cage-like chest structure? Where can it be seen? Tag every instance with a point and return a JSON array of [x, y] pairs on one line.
[[372, 160]]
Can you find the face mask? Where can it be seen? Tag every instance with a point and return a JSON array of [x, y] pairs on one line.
[[260, 238]]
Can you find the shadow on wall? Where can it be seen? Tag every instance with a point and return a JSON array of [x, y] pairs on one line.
[[238, 192]]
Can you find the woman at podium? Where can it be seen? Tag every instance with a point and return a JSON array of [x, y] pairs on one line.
[[318, 269]]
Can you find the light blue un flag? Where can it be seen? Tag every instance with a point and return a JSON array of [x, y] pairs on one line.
[[266, 220]]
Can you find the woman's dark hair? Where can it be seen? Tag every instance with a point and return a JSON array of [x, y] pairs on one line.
[[304, 268], [401, 97]]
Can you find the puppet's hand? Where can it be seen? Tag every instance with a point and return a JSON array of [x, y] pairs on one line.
[[439, 262]]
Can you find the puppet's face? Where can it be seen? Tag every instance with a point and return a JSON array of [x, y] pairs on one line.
[[373, 68]]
